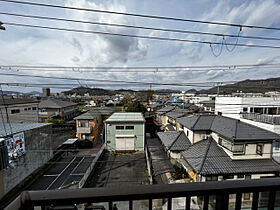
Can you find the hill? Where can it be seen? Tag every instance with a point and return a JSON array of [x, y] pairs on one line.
[[247, 86]]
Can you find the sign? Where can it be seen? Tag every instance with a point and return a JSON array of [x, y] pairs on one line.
[[15, 145]]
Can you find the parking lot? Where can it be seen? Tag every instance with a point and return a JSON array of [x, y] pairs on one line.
[[114, 170]]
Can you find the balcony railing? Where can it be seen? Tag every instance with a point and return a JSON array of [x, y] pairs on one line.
[[221, 192], [86, 130], [264, 118]]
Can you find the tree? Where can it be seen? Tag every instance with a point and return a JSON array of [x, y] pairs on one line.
[[149, 96], [135, 107]]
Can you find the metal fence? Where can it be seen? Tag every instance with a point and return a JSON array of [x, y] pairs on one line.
[[219, 193], [270, 119]]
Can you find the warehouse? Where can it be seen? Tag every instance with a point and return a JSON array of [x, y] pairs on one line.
[[125, 132]]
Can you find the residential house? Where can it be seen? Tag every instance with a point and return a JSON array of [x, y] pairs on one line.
[[54, 108], [28, 147], [105, 112], [174, 142], [88, 125], [220, 148], [125, 131], [208, 106], [173, 115], [19, 110], [161, 118]]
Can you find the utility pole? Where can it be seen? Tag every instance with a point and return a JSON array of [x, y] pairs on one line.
[[2, 27]]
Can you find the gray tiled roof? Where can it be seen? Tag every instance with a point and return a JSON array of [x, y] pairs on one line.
[[174, 140], [89, 115], [207, 158], [105, 110], [240, 131], [233, 129], [55, 103], [160, 163], [11, 101], [177, 113], [169, 127], [18, 127], [165, 109]]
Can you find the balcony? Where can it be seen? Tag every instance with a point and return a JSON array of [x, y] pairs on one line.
[[264, 118], [222, 195], [86, 130]]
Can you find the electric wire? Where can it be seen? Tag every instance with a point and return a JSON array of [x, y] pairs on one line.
[[140, 15], [137, 36], [140, 27]]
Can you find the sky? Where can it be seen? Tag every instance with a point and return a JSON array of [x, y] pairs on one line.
[[30, 46]]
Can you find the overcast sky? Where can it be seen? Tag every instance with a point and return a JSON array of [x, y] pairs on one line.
[[25, 46]]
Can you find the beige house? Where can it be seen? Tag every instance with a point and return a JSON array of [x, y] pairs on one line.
[[221, 148]]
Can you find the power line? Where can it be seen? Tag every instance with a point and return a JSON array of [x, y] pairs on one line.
[[140, 15], [141, 67], [138, 36], [116, 81], [140, 27]]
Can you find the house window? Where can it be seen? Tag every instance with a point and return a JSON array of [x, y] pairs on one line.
[[211, 178], [245, 109], [25, 109], [238, 149], [228, 177], [34, 108], [187, 133], [259, 149], [241, 176], [129, 127], [277, 145], [14, 111], [85, 136], [84, 123], [119, 127]]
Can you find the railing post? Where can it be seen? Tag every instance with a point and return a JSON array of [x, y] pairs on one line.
[[205, 202], [255, 200], [110, 205], [271, 201], [222, 201], [238, 201], [150, 204], [130, 205], [188, 203], [169, 204]]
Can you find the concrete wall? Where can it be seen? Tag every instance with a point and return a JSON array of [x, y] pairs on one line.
[[38, 145], [26, 113], [111, 132]]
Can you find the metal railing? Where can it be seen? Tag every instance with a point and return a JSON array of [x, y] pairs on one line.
[[265, 118], [221, 190]]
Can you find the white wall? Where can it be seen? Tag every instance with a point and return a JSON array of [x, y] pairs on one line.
[[232, 106]]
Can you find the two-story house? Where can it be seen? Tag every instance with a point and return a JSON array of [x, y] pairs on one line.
[[88, 125], [161, 118], [220, 148], [54, 108]]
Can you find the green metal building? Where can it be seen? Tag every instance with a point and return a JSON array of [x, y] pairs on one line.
[[125, 132]]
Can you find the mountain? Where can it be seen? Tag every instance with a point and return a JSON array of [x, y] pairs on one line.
[[91, 91], [11, 92], [247, 86]]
